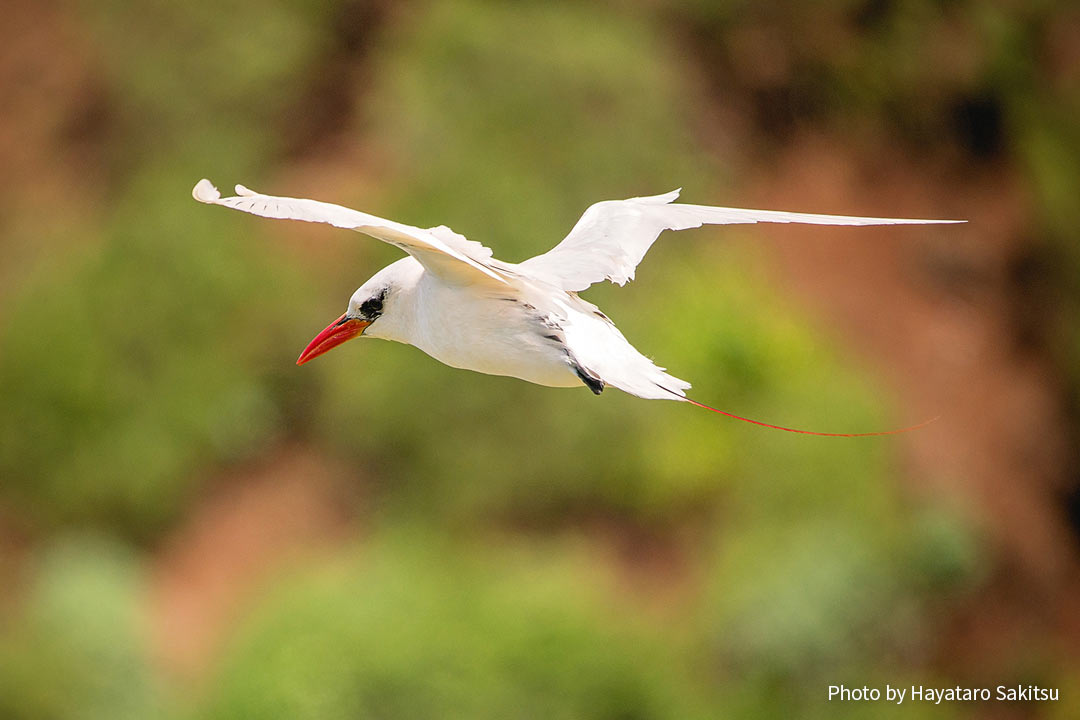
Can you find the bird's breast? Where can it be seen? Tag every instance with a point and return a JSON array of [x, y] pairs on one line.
[[491, 334]]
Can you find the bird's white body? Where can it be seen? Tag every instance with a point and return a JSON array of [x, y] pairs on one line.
[[491, 332], [463, 307], [524, 329]]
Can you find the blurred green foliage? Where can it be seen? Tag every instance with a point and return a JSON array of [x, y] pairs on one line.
[[79, 650], [994, 81], [143, 362], [135, 368], [162, 350], [414, 629]]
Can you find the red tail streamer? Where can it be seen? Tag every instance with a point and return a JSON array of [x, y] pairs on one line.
[[811, 432]]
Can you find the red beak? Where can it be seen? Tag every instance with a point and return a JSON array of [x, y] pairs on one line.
[[336, 333]]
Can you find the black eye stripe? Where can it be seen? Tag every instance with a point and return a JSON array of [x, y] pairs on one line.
[[373, 306]]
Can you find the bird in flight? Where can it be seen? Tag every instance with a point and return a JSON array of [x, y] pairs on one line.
[[461, 306]]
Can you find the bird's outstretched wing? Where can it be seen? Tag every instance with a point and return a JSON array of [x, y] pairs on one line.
[[612, 237], [440, 250]]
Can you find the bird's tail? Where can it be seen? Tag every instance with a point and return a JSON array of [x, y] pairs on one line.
[[924, 423]]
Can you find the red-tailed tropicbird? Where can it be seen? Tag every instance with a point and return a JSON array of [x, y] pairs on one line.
[[461, 306]]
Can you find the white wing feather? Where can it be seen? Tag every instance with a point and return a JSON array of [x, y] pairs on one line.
[[440, 250], [612, 237]]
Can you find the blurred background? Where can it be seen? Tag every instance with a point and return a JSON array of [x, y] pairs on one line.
[[193, 527]]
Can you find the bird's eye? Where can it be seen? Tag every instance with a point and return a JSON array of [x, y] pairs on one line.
[[372, 307]]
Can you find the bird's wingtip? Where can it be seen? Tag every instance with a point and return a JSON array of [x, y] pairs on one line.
[[205, 192]]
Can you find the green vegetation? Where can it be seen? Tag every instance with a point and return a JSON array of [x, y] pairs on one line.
[[79, 650], [409, 631]]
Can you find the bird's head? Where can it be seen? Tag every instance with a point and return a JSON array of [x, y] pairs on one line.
[[380, 295], [365, 307]]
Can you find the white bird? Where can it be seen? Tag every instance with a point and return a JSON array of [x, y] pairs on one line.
[[457, 303]]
